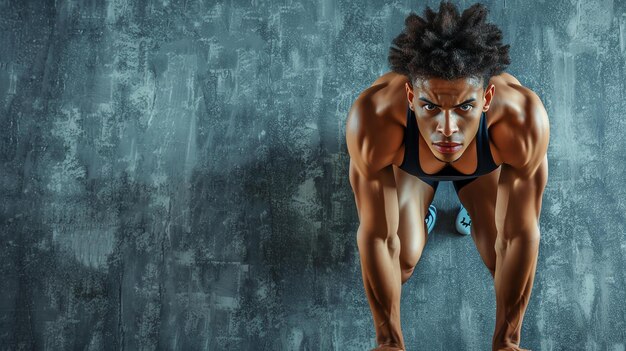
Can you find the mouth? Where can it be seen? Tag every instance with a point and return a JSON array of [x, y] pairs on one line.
[[447, 148]]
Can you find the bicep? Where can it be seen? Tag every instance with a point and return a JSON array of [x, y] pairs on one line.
[[376, 200]]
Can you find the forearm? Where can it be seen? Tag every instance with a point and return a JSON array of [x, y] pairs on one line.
[[516, 261], [380, 267]]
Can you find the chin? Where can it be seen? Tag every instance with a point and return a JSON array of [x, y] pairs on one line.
[[449, 158]]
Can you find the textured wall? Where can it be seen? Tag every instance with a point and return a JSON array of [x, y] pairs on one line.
[[174, 176]]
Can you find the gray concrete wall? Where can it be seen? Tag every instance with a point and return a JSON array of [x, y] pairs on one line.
[[174, 176]]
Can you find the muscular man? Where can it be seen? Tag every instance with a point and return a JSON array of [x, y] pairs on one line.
[[448, 111]]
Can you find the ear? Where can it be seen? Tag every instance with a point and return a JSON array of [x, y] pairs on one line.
[[409, 94], [489, 93]]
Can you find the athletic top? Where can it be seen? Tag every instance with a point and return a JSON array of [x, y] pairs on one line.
[[411, 165]]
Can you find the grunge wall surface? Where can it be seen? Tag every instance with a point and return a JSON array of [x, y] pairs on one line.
[[174, 176]]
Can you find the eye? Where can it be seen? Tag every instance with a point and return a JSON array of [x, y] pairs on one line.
[[429, 109], [469, 107]]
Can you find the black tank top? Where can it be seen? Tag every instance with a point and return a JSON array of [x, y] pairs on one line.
[[411, 165]]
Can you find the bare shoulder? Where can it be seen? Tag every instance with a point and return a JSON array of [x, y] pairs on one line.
[[523, 132], [373, 138]]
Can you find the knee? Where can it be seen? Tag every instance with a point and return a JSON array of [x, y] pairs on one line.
[[407, 273], [407, 270], [408, 261], [509, 237]]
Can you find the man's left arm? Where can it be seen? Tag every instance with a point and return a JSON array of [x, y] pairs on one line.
[[518, 205]]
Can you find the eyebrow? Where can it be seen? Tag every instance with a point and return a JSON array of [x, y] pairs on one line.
[[461, 104]]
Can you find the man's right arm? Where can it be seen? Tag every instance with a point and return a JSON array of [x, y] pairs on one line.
[[373, 184]]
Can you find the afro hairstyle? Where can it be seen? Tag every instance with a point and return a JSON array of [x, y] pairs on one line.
[[448, 45]]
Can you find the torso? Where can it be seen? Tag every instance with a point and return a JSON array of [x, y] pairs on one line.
[[387, 98]]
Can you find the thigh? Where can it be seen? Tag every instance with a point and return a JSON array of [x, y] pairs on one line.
[[479, 199], [414, 197]]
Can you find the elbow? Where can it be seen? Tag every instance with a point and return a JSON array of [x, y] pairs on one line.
[[527, 235], [367, 235], [525, 238]]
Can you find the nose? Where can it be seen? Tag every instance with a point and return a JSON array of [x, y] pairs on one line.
[[449, 126]]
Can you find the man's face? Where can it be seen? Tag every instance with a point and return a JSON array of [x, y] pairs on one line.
[[448, 113]]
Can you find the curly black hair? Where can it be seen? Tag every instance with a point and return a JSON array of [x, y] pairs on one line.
[[448, 45]]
